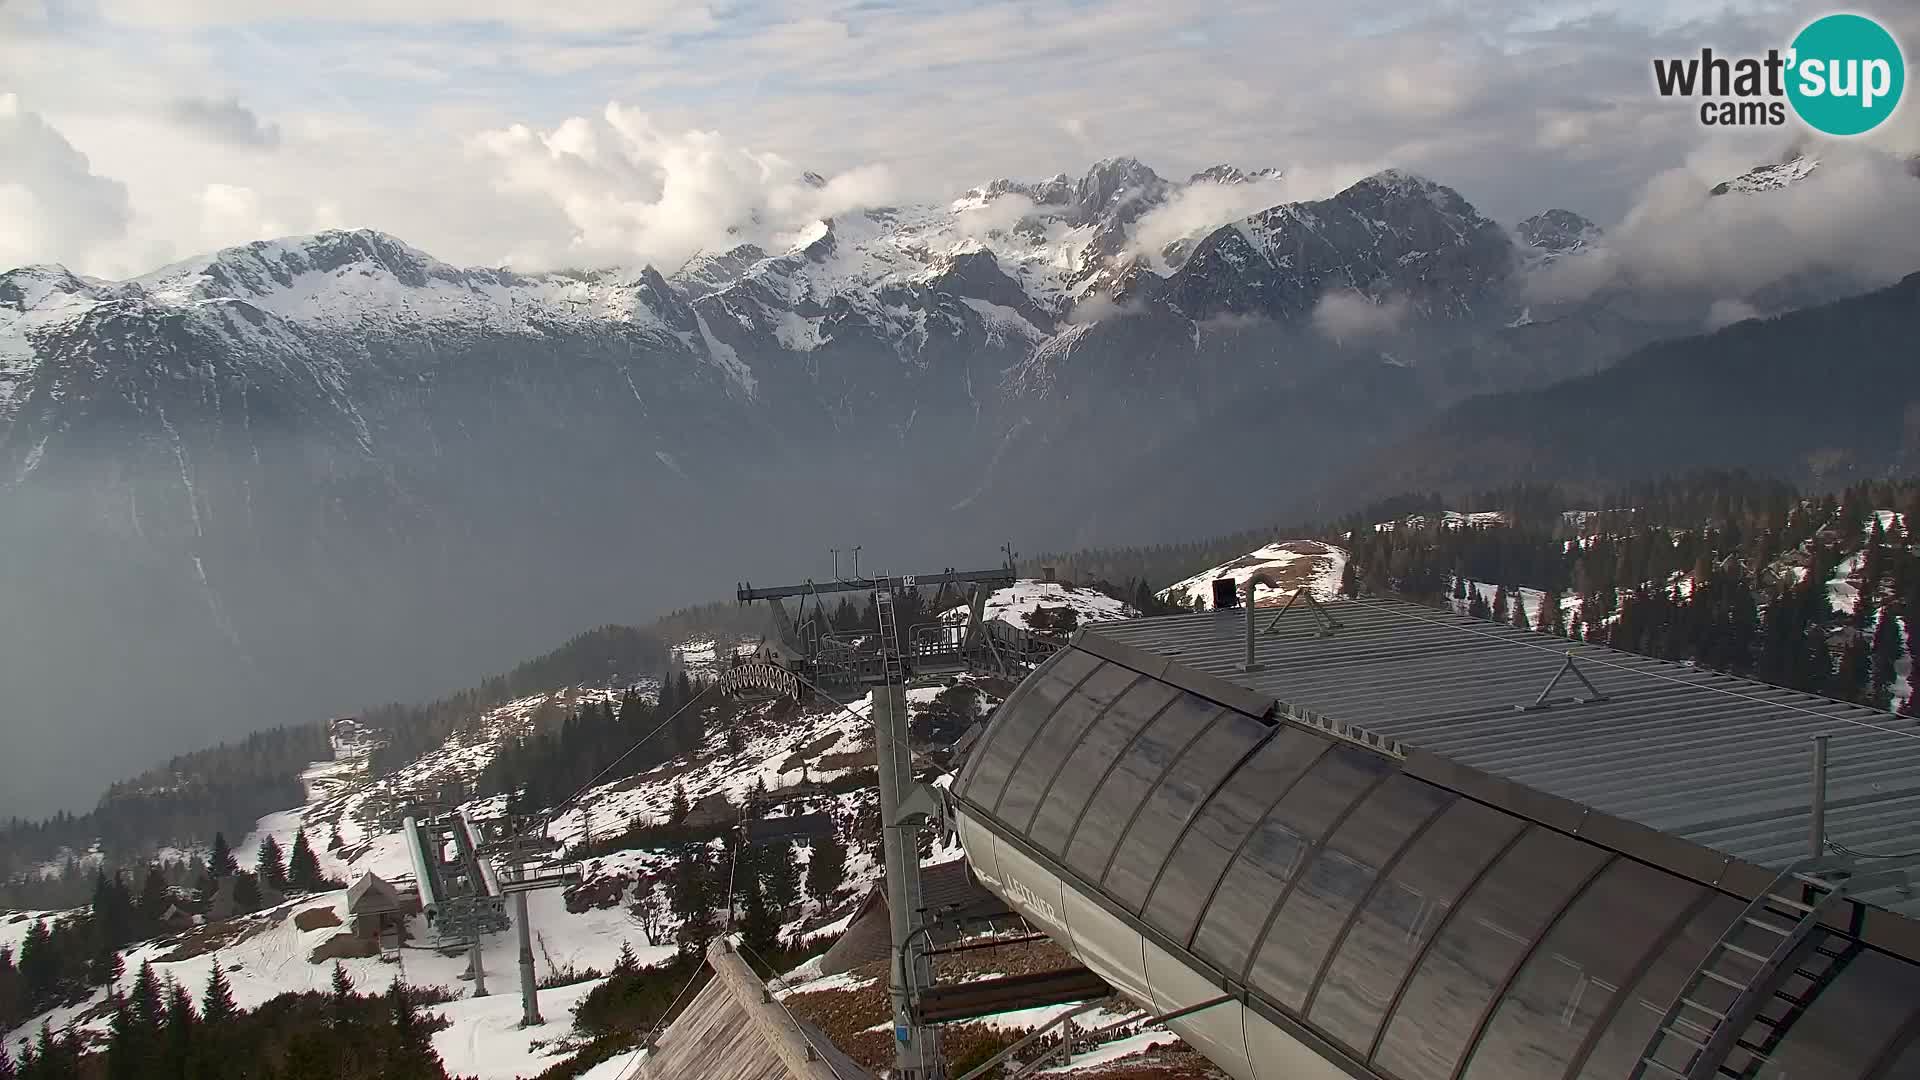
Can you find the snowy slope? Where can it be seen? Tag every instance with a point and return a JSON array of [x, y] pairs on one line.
[[1291, 564], [1014, 604]]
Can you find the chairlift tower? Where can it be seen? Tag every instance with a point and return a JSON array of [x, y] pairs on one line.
[[525, 859], [798, 656]]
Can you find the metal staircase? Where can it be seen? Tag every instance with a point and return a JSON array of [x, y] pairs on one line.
[[891, 670], [1757, 979]]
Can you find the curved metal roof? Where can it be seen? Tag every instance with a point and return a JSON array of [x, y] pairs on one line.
[[1718, 761], [1382, 839]]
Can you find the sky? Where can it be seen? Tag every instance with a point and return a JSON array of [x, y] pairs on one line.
[[562, 133]]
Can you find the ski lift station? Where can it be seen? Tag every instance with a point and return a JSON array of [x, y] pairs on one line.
[[1376, 840]]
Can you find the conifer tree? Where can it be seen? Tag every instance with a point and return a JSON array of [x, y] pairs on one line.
[[1477, 604], [1886, 654], [759, 930], [1520, 611], [414, 1058], [246, 893], [782, 879], [125, 1056], [1499, 611], [1349, 580], [303, 867], [827, 867], [7, 1070], [342, 993], [271, 868], [154, 899], [678, 810], [626, 963], [216, 1004], [148, 1003], [177, 1056], [221, 863]]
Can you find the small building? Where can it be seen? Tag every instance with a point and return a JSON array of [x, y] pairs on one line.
[[713, 810], [379, 910], [947, 889]]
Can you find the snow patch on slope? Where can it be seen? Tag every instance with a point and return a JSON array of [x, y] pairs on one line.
[[1292, 564]]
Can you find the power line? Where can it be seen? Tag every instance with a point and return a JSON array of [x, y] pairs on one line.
[[642, 741]]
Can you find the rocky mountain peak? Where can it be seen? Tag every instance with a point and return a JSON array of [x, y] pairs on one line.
[[1230, 174], [1770, 177], [1115, 180], [1557, 231]]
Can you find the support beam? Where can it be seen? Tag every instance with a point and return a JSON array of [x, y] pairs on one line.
[[916, 1048], [746, 594], [772, 1024], [529, 986]]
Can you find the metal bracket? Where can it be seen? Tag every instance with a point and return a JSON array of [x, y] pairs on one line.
[[1328, 624], [921, 801], [1541, 702]]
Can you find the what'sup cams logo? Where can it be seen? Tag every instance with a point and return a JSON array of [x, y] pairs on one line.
[[1842, 75]]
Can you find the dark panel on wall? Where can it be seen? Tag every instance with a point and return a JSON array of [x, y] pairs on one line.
[[1223, 825], [1402, 916], [1150, 840], [1272, 856], [1087, 765], [1471, 959]]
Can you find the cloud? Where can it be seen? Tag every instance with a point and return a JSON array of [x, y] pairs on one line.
[[1351, 317], [995, 216], [1198, 209], [632, 192], [1728, 312], [1856, 218], [50, 198], [226, 120]]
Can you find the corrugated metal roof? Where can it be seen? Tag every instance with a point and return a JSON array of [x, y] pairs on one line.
[[1720, 761]]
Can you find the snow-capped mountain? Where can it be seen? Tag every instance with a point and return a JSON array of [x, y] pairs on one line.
[[1287, 566], [339, 446], [1553, 233], [1770, 177]]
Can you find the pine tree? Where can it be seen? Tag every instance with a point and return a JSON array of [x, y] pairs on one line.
[[271, 868], [1349, 580], [125, 1055], [246, 893], [759, 929], [626, 963], [154, 899], [678, 810], [1520, 610], [1477, 603], [303, 867], [414, 1058], [1886, 654], [342, 995], [826, 868], [148, 1003], [216, 1004], [1499, 611], [178, 1053], [782, 879], [7, 1070], [221, 863]]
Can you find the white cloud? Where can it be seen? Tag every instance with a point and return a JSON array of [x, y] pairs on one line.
[[1727, 312], [50, 198], [634, 193], [995, 216], [1857, 216], [1201, 208], [1351, 317], [226, 120], [377, 104]]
